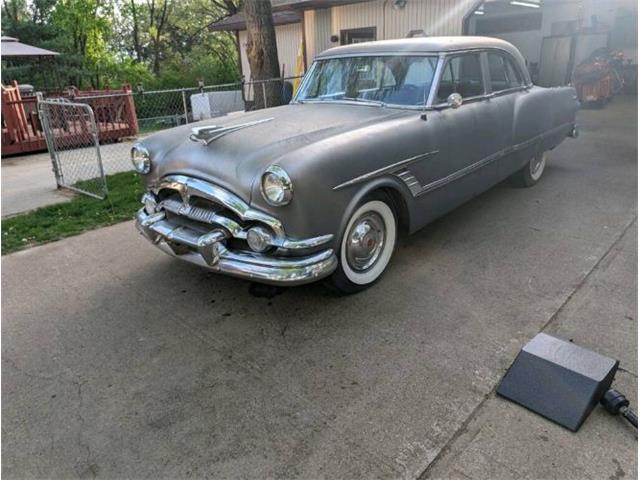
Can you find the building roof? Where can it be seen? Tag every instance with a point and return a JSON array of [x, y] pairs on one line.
[[419, 45], [11, 47], [237, 22], [284, 13]]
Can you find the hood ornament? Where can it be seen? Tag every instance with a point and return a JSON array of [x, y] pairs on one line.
[[208, 134]]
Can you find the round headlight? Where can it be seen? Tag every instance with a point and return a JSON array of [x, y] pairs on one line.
[[277, 188], [259, 239], [140, 159]]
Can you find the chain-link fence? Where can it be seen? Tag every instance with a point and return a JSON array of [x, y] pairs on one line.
[[123, 117], [72, 140]]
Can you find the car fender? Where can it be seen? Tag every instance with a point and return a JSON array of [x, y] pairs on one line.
[[386, 182]]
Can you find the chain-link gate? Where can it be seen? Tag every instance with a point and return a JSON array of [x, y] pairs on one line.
[[72, 139]]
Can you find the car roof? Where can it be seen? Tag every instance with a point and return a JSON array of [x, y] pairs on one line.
[[426, 45], [419, 45]]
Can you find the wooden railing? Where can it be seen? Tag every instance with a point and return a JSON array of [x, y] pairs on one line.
[[114, 112]]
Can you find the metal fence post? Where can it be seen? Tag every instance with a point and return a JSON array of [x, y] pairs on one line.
[[96, 142], [184, 105], [264, 95], [48, 136]]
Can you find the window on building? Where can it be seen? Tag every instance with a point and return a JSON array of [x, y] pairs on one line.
[[357, 35], [502, 72], [463, 75]]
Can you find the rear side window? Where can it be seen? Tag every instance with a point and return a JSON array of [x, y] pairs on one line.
[[502, 72], [462, 74]]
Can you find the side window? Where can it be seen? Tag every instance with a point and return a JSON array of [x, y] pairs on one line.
[[462, 74], [502, 72], [513, 74]]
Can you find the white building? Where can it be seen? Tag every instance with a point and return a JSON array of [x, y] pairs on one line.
[[556, 35], [321, 24], [553, 35]]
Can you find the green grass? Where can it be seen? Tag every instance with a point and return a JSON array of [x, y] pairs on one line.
[[82, 213]]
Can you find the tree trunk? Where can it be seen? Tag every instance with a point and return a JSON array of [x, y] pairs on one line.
[[262, 52], [136, 35]]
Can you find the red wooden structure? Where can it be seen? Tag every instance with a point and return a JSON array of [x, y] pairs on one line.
[[114, 112]]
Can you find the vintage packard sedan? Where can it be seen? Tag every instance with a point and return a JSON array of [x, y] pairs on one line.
[[381, 138]]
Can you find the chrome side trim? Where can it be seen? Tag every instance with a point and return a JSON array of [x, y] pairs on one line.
[[417, 190], [410, 181], [388, 169], [210, 133], [307, 242]]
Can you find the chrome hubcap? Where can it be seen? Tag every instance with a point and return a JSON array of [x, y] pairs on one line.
[[365, 241]]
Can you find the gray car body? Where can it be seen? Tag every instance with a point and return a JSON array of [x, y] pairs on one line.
[[337, 153]]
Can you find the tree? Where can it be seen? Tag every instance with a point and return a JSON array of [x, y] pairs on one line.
[[137, 46], [158, 17], [262, 51], [85, 27], [161, 43]]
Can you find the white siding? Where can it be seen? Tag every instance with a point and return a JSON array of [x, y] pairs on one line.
[[246, 70], [310, 34], [288, 38], [357, 15], [435, 17], [530, 42], [318, 31]]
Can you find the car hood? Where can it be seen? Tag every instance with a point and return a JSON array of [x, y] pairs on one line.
[[236, 159]]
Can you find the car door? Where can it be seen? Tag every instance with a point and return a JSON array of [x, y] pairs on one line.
[[506, 84], [456, 173]]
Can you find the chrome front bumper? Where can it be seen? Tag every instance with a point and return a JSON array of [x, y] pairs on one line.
[[208, 250]]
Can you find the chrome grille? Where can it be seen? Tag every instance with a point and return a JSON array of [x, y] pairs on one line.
[[211, 216], [198, 214]]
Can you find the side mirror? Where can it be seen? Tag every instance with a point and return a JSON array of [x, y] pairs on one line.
[[454, 100]]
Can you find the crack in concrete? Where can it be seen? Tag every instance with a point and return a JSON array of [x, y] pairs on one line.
[[465, 424], [89, 467], [633, 374], [36, 376]]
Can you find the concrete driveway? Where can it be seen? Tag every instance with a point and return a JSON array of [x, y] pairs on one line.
[[120, 362]]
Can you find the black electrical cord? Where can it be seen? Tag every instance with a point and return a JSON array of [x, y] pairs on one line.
[[617, 404]]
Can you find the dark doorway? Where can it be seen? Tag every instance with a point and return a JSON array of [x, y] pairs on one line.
[[357, 35]]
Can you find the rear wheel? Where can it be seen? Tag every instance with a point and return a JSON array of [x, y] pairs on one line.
[[531, 172], [367, 245]]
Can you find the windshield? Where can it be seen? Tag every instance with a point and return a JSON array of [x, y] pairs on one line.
[[396, 80]]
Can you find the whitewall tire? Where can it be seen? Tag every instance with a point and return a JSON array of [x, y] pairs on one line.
[[367, 245], [532, 171]]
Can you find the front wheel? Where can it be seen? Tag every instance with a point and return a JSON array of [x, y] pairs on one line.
[[531, 172], [367, 246]]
